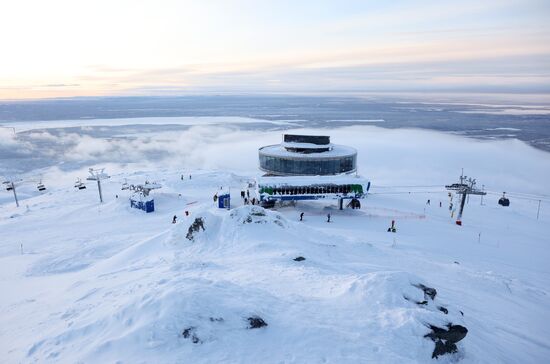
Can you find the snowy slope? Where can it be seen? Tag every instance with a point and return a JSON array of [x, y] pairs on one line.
[[112, 284]]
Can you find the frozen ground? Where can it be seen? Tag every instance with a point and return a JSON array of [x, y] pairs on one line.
[[106, 283]]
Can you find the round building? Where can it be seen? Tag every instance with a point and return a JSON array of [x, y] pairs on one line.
[[307, 155]]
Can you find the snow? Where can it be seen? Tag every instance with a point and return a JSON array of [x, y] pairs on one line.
[[108, 283], [311, 180]]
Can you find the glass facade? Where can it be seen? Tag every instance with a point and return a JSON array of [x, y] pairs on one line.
[[308, 166]]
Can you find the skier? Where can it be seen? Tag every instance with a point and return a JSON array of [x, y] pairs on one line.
[[328, 217], [450, 206], [245, 201], [174, 219], [253, 200], [392, 228], [182, 177], [302, 216], [428, 202], [215, 198], [242, 194], [248, 193], [439, 203], [189, 176]]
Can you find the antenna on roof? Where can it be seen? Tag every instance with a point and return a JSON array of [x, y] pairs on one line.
[[98, 175]]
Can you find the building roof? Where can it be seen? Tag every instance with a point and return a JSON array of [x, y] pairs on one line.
[[335, 151]]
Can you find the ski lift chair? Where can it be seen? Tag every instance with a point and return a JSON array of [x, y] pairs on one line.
[[41, 187], [78, 184]]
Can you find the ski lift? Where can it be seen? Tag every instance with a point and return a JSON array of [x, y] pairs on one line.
[[125, 185], [9, 185], [79, 184], [41, 187], [504, 201]]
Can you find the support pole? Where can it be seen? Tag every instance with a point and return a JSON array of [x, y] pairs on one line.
[[462, 202], [99, 189], [340, 203], [538, 211], [14, 194]]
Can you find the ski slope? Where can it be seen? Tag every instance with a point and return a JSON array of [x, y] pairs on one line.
[[91, 283]]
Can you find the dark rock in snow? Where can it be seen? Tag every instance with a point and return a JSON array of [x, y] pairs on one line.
[[189, 333], [443, 309], [255, 322], [299, 259], [445, 339], [442, 348], [428, 291], [216, 319], [195, 227]]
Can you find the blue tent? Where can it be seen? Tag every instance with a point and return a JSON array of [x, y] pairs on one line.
[[147, 206], [224, 201]]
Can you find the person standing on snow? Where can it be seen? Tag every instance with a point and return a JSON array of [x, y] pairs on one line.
[[174, 219], [328, 217], [302, 216]]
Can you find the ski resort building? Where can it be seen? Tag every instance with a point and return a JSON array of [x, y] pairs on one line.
[[307, 167], [307, 155]]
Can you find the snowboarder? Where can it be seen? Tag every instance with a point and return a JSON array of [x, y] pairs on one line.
[[174, 219], [302, 216], [328, 217]]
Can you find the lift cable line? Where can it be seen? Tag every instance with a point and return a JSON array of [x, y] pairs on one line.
[[98, 175], [465, 187], [12, 184]]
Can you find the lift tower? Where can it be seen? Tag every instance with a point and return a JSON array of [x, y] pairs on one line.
[[98, 175], [466, 186]]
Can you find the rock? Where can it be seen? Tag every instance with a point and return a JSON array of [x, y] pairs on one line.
[[195, 227], [256, 322], [443, 309], [299, 259], [442, 348], [216, 319], [189, 333], [445, 339], [453, 333], [428, 291]]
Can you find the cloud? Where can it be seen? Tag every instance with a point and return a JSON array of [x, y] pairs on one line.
[[386, 156]]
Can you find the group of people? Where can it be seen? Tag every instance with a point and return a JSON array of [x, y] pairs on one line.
[[302, 216], [245, 195]]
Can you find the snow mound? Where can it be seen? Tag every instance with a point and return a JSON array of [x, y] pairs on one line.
[[257, 215]]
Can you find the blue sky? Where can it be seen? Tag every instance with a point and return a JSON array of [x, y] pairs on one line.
[[70, 48]]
